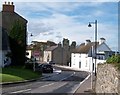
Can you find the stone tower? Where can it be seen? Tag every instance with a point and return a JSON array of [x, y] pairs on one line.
[[66, 53]]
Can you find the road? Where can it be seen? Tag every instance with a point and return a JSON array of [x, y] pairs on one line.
[[58, 82]]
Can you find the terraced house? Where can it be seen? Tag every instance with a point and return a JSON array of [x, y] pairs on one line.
[[84, 56], [15, 27]]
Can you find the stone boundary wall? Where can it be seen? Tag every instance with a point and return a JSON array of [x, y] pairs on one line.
[[108, 79]]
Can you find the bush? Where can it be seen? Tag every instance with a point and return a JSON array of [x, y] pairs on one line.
[[113, 59], [28, 66]]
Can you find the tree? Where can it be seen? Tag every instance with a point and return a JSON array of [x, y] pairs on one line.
[[17, 38]]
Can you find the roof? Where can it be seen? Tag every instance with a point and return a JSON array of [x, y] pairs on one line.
[[51, 48], [12, 16], [84, 48]]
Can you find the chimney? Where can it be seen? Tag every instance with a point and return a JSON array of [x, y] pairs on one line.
[[8, 7], [101, 40], [87, 41]]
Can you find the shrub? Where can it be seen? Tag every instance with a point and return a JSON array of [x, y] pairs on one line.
[[113, 59], [28, 66]]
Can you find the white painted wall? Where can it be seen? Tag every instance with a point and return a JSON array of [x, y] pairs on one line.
[[30, 53], [75, 59], [46, 54], [86, 62]]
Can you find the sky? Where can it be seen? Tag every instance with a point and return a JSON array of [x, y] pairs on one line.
[[54, 20]]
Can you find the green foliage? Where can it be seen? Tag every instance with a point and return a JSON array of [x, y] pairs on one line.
[[114, 59], [17, 40], [28, 66], [18, 32], [12, 74]]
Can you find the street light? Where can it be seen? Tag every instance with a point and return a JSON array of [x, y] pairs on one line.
[[89, 25], [33, 59]]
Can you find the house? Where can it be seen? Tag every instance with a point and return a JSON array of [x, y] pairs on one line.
[[54, 53], [83, 57], [4, 48], [9, 20], [37, 48], [60, 54]]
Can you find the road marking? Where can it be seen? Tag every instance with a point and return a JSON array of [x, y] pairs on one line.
[[67, 77], [20, 91], [46, 85], [81, 83]]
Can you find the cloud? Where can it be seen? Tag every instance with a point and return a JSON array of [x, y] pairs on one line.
[[68, 27], [63, 0], [55, 21]]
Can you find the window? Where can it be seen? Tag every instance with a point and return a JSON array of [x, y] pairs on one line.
[[93, 66], [74, 55], [79, 64], [48, 58], [86, 64]]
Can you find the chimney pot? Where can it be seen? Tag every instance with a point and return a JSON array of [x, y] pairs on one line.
[[87, 41], [8, 3], [101, 40], [8, 7], [12, 3]]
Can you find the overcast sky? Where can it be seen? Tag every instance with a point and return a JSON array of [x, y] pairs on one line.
[[57, 20]]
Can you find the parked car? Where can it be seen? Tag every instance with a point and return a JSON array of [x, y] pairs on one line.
[[52, 63], [45, 68]]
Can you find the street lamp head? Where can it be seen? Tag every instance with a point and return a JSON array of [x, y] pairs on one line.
[[31, 34], [89, 25]]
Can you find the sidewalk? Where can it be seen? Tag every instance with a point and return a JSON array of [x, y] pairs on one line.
[[85, 86]]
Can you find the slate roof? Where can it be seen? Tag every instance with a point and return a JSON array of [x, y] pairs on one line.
[[85, 48], [51, 48], [4, 42]]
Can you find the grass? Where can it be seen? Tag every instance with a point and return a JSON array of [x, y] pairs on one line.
[[14, 74]]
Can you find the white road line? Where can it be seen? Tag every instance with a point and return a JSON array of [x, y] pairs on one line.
[[67, 77], [20, 91], [81, 83], [46, 85]]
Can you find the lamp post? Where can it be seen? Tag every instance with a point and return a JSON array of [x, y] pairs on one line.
[[89, 25], [28, 35], [33, 59]]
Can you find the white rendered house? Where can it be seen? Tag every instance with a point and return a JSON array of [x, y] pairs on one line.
[[83, 57]]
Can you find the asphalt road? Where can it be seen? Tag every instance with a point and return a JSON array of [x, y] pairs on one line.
[[58, 82]]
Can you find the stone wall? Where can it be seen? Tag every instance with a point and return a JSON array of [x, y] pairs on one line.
[[108, 79]]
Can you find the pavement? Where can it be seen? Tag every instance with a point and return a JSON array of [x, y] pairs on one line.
[[84, 86]]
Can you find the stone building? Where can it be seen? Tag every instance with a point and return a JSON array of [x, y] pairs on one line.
[[60, 54], [54, 53], [9, 18], [36, 49]]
